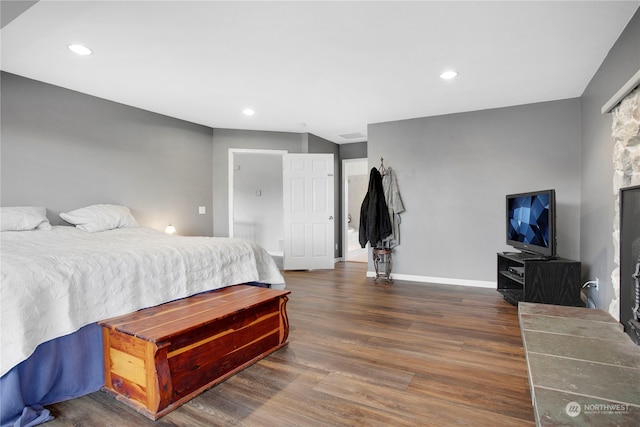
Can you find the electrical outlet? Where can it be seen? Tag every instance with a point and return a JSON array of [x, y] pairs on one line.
[[202, 210]]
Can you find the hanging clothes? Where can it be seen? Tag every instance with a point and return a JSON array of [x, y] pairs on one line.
[[395, 206], [375, 224]]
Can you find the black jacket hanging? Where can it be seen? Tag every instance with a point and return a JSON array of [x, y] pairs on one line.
[[375, 224]]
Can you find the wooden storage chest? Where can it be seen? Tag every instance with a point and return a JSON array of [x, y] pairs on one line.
[[158, 358]]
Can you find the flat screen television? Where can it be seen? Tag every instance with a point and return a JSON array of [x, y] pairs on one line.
[[531, 222]]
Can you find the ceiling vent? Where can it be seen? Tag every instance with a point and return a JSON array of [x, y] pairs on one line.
[[355, 135]]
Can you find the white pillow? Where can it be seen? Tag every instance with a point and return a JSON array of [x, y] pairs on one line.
[[100, 218], [24, 218]]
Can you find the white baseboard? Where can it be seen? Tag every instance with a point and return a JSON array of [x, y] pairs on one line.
[[440, 280]]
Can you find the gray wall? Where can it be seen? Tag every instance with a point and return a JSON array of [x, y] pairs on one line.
[[455, 170], [355, 150], [64, 150], [10, 10], [597, 207]]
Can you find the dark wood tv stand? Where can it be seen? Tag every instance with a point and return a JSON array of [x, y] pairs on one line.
[[531, 278]]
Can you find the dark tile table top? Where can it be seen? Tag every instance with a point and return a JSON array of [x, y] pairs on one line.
[[583, 369], [565, 312]]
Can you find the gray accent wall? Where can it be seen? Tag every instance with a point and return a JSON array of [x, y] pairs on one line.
[[10, 10], [597, 204], [454, 171], [64, 150], [354, 150]]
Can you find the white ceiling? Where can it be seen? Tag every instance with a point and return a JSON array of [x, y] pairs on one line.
[[329, 68]]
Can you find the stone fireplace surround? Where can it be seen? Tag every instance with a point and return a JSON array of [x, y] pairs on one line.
[[625, 131]]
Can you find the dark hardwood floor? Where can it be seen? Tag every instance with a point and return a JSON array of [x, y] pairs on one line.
[[363, 354]]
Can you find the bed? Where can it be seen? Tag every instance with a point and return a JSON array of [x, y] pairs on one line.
[[58, 281]]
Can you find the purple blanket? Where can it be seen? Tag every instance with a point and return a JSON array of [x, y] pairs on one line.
[[58, 370]]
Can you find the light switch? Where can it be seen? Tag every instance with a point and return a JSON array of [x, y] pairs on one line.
[[202, 210]]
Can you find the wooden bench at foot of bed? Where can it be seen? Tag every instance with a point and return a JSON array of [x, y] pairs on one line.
[[158, 358]]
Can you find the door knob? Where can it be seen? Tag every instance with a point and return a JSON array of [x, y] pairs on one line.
[[331, 218]]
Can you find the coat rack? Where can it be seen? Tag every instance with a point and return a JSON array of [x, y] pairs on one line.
[[382, 264], [383, 171], [382, 260], [376, 228]]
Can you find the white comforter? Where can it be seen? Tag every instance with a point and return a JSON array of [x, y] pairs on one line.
[[56, 281]]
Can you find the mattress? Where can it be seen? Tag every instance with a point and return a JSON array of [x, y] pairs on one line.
[[56, 281]]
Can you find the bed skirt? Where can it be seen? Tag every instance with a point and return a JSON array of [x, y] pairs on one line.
[[58, 370]]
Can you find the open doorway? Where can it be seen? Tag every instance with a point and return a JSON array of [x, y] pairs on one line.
[[355, 179], [255, 198]]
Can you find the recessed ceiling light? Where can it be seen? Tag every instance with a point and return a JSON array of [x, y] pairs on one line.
[[448, 75], [248, 112], [78, 49]]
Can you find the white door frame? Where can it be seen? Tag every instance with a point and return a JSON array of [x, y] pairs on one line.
[[345, 206], [232, 152]]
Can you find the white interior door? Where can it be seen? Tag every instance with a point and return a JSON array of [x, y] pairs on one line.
[[308, 211]]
